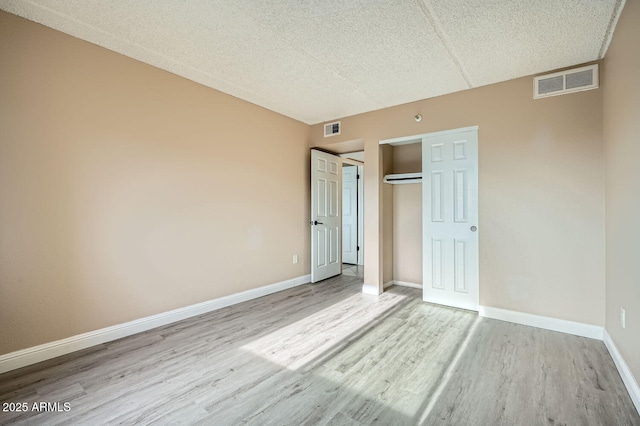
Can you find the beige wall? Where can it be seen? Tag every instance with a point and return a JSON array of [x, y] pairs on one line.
[[407, 159], [622, 142], [407, 216], [126, 191], [541, 181]]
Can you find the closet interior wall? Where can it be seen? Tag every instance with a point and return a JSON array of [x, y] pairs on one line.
[[407, 216]]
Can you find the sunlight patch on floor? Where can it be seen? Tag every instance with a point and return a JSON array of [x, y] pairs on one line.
[[342, 343], [302, 342], [407, 384], [449, 372]]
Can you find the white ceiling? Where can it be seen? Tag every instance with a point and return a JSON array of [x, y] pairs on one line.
[[319, 60]]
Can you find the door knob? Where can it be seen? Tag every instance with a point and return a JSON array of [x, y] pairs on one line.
[[474, 228], [315, 222]]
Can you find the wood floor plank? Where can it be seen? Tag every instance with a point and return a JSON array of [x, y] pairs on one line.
[[325, 354]]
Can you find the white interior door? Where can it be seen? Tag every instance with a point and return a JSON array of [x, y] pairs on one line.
[[326, 197], [350, 214], [450, 218]]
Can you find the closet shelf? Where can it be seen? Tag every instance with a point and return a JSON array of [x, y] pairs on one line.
[[403, 178]]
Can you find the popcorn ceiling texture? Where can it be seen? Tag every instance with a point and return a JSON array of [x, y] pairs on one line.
[[316, 61]]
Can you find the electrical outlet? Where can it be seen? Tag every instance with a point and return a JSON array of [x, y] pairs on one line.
[[295, 259], [623, 318]]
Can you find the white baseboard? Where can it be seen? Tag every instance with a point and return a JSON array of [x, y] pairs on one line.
[[402, 284], [370, 289], [393, 282], [625, 372], [24, 357], [547, 323], [407, 284]]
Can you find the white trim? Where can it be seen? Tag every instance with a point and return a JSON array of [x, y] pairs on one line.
[[451, 131], [625, 372], [404, 140], [370, 289], [351, 162], [24, 357], [354, 156], [547, 323], [407, 284], [387, 285], [361, 215]]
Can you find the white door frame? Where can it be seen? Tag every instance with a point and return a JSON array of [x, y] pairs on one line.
[[350, 246], [361, 214], [360, 166]]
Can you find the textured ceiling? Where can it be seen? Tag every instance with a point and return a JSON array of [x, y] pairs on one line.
[[319, 60]]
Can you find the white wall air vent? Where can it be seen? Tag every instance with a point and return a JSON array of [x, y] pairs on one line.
[[568, 81], [332, 129]]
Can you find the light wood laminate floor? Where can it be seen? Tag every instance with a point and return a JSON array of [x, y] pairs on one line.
[[326, 354]]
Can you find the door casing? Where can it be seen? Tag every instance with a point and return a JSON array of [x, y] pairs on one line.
[[350, 214]]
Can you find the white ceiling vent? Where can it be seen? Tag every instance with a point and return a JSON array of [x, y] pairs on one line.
[[332, 129], [568, 81]]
